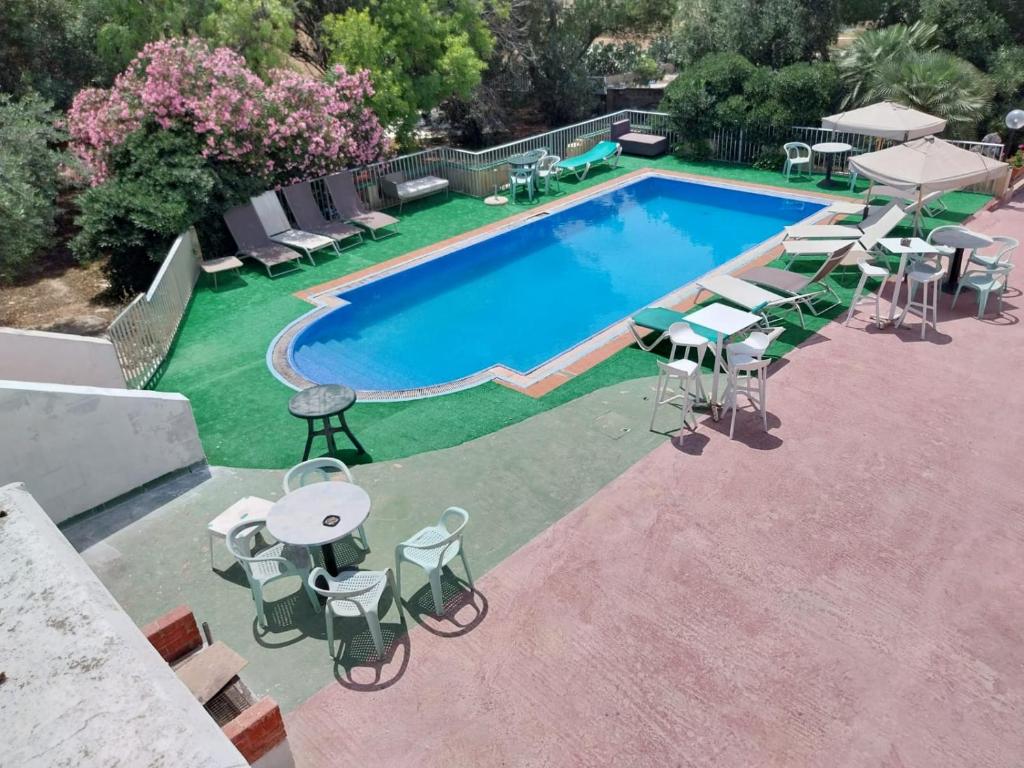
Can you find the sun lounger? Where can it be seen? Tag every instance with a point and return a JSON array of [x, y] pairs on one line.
[[253, 243], [750, 297], [579, 166], [308, 216], [883, 219], [275, 223], [863, 245], [796, 285], [350, 208], [659, 320]]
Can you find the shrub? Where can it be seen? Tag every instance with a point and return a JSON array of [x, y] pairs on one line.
[[693, 98], [159, 185], [612, 58], [646, 69], [293, 127], [29, 165]]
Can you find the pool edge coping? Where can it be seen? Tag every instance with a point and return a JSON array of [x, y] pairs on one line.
[[573, 361]]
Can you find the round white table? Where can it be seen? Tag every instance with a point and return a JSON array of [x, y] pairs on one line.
[[830, 149], [960, 239], [318, 515]]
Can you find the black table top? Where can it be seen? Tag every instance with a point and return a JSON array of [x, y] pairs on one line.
[[321, 401]]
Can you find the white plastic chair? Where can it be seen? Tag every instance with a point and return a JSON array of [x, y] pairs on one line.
[[926, 277], [319, 471], [1002, 249], [748, 376], [755, 344], [682, 335], [985, 282], [868, 271], [432, 549], [352, 594], [277, 561], [798, 155], [547, 171], [686, 373]]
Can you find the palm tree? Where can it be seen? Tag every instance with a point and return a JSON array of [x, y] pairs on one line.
[[858, 63], [936, 82]]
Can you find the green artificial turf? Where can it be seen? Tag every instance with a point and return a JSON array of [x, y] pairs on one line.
[[219, 358]]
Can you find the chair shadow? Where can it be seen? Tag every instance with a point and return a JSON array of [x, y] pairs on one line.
[[457, 596], [749, 430], [290, 618], [349, 455], [358, 654]]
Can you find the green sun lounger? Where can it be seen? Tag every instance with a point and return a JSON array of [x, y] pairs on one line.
[[604, 152], [659, 320]]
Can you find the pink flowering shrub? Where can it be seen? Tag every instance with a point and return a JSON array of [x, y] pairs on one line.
[[293, 127]]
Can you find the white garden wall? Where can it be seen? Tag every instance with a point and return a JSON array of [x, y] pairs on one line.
[[78, 447], [58, 358]]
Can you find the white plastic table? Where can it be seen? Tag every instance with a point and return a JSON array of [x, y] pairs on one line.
[[960, 239], [830, 149], [723, 321], [915, 246], [306, 516]]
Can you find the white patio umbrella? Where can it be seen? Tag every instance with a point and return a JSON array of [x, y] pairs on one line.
[[885, 120], [928, 164]]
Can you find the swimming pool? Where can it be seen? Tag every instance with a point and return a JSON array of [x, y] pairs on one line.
[[526, 295]]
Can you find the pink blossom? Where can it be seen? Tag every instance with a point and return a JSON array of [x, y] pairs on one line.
[[293, 126]]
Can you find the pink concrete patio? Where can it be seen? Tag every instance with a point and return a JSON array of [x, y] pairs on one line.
[[844, 591]]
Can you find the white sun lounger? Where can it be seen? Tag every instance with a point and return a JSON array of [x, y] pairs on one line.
[[852, 231], [751, 297], [863, 244]]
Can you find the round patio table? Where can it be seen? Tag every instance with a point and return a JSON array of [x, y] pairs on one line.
[[322, 403], [318, 515], [830, 149], [960, 239]]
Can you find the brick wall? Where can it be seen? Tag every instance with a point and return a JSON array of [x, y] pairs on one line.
[[174, 634], [257, 730]]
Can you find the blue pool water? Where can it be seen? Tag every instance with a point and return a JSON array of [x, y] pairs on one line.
[[524, 296]]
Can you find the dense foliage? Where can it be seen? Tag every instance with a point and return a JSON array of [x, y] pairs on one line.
[[421, 52], [767, 32], [29, 166], [725, 90]]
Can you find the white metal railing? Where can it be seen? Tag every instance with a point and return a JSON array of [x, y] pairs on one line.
[[479, 173], [144, 331]]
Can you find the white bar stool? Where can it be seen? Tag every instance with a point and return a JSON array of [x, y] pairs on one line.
[[927, 277], [867, 272], [687, 373], [747, 376], [682, 335]]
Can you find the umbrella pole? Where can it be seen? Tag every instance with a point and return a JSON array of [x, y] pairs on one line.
[[917, 213]]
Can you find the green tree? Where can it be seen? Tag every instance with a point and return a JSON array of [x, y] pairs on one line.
[[260, 30], [972, 29], [420, 52], [46, 46], [767, 32], [29, 164]]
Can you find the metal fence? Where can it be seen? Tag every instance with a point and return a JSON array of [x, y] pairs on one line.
[[480, 173], [144, 331]]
